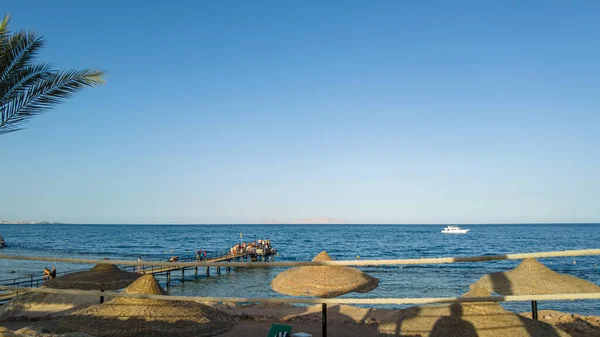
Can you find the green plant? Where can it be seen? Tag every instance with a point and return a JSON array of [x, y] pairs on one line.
[[29, 88]]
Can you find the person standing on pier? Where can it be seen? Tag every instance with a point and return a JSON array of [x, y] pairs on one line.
[[46, 274]]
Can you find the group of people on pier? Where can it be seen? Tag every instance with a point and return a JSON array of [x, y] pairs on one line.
[[258, 246], [200, 255]]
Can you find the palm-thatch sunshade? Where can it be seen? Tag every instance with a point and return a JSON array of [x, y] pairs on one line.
[[323, 282], [129, 317], [533, 278], [101, 277], [468, 319]]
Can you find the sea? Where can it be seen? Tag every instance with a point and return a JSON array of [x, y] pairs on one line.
[[303, 242]]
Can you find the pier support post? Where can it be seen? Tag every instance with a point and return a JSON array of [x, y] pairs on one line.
[[182, 275], [196, 273], [207, 271]]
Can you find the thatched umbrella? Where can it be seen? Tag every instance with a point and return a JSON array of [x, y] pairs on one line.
[[101, 277], [323, 282], [533, 278], [468, 319], [128, 317]]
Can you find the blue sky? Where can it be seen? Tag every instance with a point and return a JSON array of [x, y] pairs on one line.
[[373, 112]]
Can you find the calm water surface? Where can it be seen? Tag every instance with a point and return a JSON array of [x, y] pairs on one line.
[[302, 242]]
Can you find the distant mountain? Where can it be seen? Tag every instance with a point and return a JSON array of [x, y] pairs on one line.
[[320, 220], [272, 222]]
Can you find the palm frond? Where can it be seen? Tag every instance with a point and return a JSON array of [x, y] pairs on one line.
[[4, 31], [20, 50], [27, 88], [22, 80], [45, 94]]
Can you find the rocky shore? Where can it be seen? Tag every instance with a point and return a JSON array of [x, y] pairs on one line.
[[573, 324]]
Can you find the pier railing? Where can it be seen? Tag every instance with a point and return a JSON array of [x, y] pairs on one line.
[[36, 280], [184, 264]]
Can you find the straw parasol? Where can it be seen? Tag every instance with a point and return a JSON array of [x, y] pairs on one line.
[[323, 282], [533, 278], [101, 277], [468, 319], [128, 317]]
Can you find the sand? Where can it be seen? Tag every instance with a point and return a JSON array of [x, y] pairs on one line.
[[41, 306], [343, 321]]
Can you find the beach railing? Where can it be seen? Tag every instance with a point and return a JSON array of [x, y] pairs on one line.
[[356, 263]]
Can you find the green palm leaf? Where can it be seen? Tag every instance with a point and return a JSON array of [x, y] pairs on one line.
[[28, 89]]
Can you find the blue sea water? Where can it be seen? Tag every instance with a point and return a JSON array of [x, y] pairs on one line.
[[302, 242]]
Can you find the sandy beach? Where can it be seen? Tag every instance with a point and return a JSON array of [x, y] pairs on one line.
[[343, 321]]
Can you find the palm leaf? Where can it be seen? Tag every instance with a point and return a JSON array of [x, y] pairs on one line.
[[4, 32], [20, 49], [23, 80], [28, 89], [44, 94]]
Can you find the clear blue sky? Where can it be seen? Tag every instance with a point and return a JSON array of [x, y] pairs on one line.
[[373, 112]]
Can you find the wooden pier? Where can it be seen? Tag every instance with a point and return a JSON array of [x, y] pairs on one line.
[[244, 256], [256, 255]]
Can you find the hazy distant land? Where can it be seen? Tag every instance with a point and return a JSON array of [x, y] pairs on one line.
[[29, 223], [320, 220]]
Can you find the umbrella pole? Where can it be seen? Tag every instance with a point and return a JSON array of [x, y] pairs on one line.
[[324, 320], [101, 297], [534, 313]]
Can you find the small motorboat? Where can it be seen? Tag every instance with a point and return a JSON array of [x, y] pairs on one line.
[[454, 230]]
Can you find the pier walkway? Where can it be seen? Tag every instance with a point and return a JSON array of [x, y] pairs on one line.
[[36, 280]]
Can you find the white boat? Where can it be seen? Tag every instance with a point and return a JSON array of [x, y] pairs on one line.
[[454, 230]]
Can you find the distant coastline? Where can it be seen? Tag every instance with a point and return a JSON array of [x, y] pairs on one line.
[[321, 220], [30, 223]]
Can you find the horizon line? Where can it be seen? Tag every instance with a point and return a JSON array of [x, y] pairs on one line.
[[293, 224]]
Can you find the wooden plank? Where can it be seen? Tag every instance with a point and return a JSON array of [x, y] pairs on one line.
[[169, 269], [9, 295]]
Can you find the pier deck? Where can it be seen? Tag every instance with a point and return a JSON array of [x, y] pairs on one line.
[[37, 281]]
